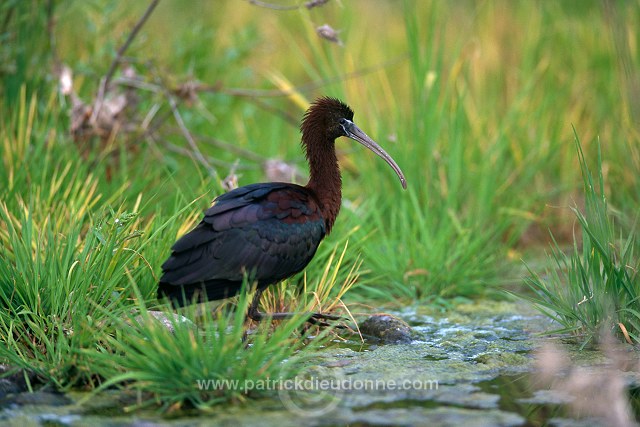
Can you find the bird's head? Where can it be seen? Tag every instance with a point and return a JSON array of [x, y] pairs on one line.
[[328, 119], [326, 116]]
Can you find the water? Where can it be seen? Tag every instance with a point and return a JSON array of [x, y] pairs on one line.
[[473, 366]]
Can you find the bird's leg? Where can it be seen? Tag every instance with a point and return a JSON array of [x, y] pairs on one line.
[[315, 318], [254, 313]]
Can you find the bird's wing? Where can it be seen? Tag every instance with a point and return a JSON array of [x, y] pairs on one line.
[[269, 230]]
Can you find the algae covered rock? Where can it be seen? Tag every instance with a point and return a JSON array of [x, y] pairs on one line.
[[388, 329]]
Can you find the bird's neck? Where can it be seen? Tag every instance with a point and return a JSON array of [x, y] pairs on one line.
[[325, 180]]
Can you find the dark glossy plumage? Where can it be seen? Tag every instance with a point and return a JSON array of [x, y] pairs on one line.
[[269, 231], [273, 229]]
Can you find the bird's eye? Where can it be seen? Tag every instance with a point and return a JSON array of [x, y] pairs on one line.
[[344, 124]]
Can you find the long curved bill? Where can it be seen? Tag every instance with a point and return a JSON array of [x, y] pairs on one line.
[[357, 134]]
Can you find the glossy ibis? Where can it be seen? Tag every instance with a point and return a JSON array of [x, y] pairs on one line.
[[268, 231]]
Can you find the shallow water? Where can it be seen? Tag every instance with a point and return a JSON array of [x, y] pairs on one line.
[[474, 366]]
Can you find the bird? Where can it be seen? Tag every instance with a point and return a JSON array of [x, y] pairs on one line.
[[268, 231]]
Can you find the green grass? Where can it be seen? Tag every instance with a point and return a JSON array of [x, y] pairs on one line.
[[171, 368], [77, 276], [468, 199], [479, 116], [26, 49], [594, 289]]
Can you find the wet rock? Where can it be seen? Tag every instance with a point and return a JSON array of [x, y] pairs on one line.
[[12, 380], [388, 329], [9, 387], [42, 398]]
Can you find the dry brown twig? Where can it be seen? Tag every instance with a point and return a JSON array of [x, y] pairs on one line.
[[306, 87], [325, 31], [116, 61], [185, 131], [309, 5]]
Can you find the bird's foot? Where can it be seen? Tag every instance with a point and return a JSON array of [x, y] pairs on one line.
[[319, 319]]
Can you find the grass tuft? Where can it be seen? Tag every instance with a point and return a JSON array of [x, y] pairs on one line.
[[199, 364], [595, 287]]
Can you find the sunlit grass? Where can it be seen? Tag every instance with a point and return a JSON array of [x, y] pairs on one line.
[[55, 277], [176, 368]]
